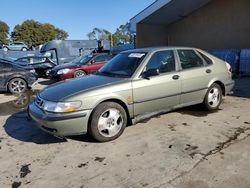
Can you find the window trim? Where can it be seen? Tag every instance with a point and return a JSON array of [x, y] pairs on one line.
[[164, 73], [205, 62]]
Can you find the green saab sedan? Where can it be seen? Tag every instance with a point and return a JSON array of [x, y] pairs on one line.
[[134, 85]]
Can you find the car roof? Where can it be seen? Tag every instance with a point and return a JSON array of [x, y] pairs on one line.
[[94, 54], [153, 49]]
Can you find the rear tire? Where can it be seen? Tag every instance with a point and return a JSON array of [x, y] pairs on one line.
[[24, 49], [213, 97], [79, 73], [17, 85], [107, 122]]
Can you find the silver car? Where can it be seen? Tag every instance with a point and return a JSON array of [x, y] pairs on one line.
[[20, 46], [132, 86]]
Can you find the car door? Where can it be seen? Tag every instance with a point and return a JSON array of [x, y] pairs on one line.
[[5, 71], [97, 62], [195, 76], [17, 46], [2, 75], [157, 92]]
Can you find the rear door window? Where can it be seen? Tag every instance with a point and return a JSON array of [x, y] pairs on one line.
[[189, 59]]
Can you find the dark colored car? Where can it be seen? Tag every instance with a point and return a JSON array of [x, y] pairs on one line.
[[40, 64], [15, 78], [79, 67]]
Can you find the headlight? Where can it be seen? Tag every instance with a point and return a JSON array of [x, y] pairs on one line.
[[63, 71], [61, 106], [47, 72]]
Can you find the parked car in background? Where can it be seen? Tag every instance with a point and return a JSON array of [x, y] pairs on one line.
[[41, 64], [20, 46], [81, 66], [134, 85], [14, 78], [65, 51]]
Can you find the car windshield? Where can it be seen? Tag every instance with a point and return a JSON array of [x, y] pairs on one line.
[[30, 60], [122, 65], [82, 59]]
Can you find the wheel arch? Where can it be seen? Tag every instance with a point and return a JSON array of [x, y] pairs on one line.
[[220, 83], [13, 77], [115, 100], [79, 69], [222, 86]]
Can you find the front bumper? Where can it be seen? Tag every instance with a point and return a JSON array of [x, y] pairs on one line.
[[55, 77], [32, 80], [61, 124]]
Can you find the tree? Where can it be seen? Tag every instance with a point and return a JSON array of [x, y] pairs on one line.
[[99, 34], [61, 34], [121, 36], [4, 31], [35, 33]]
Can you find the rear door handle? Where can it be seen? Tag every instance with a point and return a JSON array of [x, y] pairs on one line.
[[208, 71], [176, 77]]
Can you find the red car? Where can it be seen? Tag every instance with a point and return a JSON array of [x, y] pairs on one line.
[[79, 67]]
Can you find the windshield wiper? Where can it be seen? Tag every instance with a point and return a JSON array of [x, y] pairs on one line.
[[103, 73], [106, 73]]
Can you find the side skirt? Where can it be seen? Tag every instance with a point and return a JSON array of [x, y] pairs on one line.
[[149, 115]]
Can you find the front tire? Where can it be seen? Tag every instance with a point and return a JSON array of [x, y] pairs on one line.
[[108, 122], [213, 97], [79, 73], [17, 85], [24, 49]]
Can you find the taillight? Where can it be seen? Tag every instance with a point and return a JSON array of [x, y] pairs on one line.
[[229, 68]]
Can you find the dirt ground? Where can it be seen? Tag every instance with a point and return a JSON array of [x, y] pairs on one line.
[[187, 148]]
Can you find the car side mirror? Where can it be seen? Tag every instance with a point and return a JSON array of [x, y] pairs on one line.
[[92, 61], [150, 73]]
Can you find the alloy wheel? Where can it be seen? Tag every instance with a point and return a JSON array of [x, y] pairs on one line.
[[214, 97], [17, 85], [110, 122]]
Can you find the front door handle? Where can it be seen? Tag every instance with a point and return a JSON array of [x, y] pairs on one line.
[[176, 77], [208, 71]]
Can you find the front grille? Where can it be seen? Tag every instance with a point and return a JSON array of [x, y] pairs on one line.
[[39, 102]]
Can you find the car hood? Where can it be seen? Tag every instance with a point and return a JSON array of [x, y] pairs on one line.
[[65, 89], [23, 66], [64, 66]]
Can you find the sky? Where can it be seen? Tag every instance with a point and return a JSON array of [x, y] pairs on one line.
[[77, 17]]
